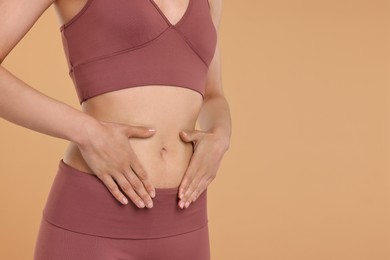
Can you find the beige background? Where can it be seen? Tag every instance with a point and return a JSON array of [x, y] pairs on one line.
[[307, 175]]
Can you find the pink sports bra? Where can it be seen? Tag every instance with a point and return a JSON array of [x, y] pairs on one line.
[[117, 44]]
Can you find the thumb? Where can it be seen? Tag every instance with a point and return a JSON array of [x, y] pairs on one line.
[[190, 136], [139, 131]]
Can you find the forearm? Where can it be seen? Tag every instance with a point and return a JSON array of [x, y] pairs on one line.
[[27, 107], [215, 116]]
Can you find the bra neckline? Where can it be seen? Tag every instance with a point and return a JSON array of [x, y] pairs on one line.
[[180, 21], [152, 2]]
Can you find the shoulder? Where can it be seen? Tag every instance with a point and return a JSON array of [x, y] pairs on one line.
[[216, 11]]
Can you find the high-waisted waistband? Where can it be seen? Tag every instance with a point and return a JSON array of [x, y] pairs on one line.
[[81, 202]]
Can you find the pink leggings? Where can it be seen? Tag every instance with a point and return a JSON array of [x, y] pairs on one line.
[[83, 221]]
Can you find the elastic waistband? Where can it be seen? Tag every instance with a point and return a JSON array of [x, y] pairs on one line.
[[80, 202]]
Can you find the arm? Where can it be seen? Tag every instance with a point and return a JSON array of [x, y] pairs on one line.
[[213, 141], [21, 104], [103, 145], [215, 113], [27, 107]]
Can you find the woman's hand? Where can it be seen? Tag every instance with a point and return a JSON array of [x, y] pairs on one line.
[[108, 153], [209, 148]]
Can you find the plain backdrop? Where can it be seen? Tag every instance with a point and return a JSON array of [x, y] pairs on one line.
[[307, 173]]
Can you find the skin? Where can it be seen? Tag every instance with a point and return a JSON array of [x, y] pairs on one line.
[[110, 137]]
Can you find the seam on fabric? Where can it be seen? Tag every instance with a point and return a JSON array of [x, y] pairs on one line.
[[123, 238], [192, 47], [161, 84], [157, 8], [104, 56], [186, 13], [77, 15], [148, 84], [184, 18], [66, 50]]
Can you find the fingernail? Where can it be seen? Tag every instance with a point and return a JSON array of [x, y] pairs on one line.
[[152, 194], [150, 204], [181, 204], [125, 201], [152, 129], [141, 204], [187, 204]]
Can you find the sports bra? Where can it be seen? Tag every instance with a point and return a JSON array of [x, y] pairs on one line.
[[116, 44]]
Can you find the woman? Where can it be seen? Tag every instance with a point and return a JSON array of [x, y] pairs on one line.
[[144, 72]]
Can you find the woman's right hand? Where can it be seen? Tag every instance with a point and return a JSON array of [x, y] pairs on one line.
[[108, 153]]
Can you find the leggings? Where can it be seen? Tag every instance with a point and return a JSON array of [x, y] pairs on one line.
[[82, 220]]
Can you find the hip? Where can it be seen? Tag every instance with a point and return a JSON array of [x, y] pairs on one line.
[[81, 220], [80, 202]]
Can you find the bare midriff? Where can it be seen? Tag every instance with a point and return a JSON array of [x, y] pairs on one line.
[[168, 109]]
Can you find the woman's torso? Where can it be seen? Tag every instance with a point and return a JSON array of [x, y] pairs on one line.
[[168, 109]]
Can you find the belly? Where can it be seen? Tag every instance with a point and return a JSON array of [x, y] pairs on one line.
[[168, 109]]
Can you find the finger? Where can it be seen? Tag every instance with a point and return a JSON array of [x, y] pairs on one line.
[[138, 169], [191, 136], [185, 183], [201, 188], [139, 131], [113, 188], [147, 184], [138, 186], [187, 195], [128, 189], [192, 196], [188, 176]]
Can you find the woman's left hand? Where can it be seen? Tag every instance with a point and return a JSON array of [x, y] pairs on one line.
[[209, 148]]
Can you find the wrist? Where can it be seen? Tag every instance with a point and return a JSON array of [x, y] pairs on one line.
[[223, 138], [86, 130]]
